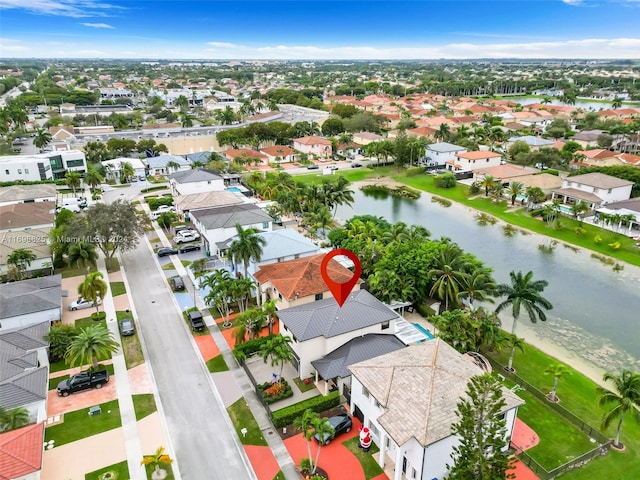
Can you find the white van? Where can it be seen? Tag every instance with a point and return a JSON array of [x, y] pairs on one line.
[[78, 201]]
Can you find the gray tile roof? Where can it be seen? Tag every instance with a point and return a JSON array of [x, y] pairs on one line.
[[30, 296], [163, 160], [229, 215], [419, 388], [325, 318], [336, 363], [192, 176], [16, 193], [18, 349], [24, 389], [599, 180], [203, 157], [285, 243], [532, 141]]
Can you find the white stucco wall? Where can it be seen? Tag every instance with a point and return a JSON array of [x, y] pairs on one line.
[[51, 315], [467, 164], [197, 187], [608, 195]]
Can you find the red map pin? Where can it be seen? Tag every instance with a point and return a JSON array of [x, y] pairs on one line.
[[340, 291]]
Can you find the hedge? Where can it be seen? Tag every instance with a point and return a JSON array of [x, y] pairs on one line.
[[34, 182], [243, 350], [411, 172], [286, 393], [287, 415], [151, 189], [154, 203]]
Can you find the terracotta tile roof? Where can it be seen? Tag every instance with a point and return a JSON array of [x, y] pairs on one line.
[[422, 131], [596, 153], [278, 150], [630, 159], [478, 155], [243, 152], [301, 276], [312, 140], [21, 451]]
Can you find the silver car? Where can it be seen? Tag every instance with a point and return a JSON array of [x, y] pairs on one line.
[[83, 303]]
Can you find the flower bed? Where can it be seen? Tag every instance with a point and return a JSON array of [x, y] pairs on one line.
[[272, 392]]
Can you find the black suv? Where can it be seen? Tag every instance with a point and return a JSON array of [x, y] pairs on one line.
[[176, 283], [196, 321]]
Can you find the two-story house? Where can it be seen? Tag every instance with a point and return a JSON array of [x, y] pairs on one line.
[[318, 328], [279, 154], [475, 160], [442, 152], [218, 224], [596, 189], [408, 398], [44, 166], [313, 145], [195, 181]]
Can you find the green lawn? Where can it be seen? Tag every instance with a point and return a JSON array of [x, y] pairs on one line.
[[149, 469], [144, 405], [86, 322], [68, 272], [168, 266], [241, 417], [578, 394], [131, 346], [301, 385], [58, 366], [117, 288], [369, 464], [279, 476], [120, 471], [79, 424], [217, 364], [53, 382]]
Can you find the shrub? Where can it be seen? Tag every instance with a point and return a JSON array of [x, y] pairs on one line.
[[272, 392], [597, 239], [537, 212], [425, 310], [286, 416], [552, 172], [154, 203], [152, 189], [97, 316], [249, 347], [475, 188], [446, 180]]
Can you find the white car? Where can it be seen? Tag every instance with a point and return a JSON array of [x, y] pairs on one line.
[[83, 303], [165, 208], [187, 237], [189, 232]]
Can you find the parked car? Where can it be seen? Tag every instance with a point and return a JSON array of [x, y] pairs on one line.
[[83, 381], [187, 237], [313, 166], [356, 165], [164, 251], [189, 247], [340, 424], [165, 208], [196, 321], [191, 231], [176, 283], [182, 228], [333, 167], [83, 303], [126, 327]]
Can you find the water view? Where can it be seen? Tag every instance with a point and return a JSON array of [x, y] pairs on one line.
[[584, 104], [596, 310]]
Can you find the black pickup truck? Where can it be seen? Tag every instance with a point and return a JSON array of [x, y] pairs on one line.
[[83, 381]]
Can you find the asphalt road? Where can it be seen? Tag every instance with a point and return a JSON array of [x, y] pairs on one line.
[[205, 445]]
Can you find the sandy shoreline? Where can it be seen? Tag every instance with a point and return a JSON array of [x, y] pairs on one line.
[[530, 332]]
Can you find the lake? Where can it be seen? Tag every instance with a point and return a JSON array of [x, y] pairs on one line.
[[596, 311], [584, 104]]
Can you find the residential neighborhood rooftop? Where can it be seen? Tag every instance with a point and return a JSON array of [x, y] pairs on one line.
[[30, 296], [21, 451], [19, 193], [194, 175], [599, 180], [228, 216], [20, 215]]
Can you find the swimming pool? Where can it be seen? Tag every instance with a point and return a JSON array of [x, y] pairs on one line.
[[423, 330], [233, 189]]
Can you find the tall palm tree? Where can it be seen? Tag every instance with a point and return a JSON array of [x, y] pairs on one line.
[[443, 133], [84, 255], [93, 177], [172, 165], [126, 172], [625, 396], [73, 181], [515, 189], [524, 292], [220, 294], [277, 350], [247, 246], [91, 344], [513, 343], [42, 138], [21, 258], [93, 287], [248, 322], [616, 103], [182, 103], [13, 419], [322, 428], [304, 423], [449, 274], [488, 183], [478, 285], [558, 371], [269, 309], [159, 457]]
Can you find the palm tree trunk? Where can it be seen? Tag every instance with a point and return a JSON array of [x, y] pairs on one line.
[[555, 387], [94, 362], [616, 441], [511, 355]]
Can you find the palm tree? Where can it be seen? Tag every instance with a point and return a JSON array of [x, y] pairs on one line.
[[160, 457], [220, 294], [269, 309], [21, 258], [249, 321], [277, 349], [173, 165], [488, 183], [247, 246], [551, 212], [450, 275], [515, 189], [73, 181], [13, 419], [126, 172], [443, 133], [42, 138], [578, 208], [182, 103], [322, 428], [92, 288], [625, 397], [558, 371], [513, 343], [305, 423], [91, 344], [93, 177], [165, 219], [186, 120], [616, 103], [84, 255], [478, 285]]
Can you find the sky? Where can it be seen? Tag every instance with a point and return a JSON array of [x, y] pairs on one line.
[[318, 30]]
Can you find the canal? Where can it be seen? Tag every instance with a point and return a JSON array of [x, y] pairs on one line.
[[596, 312]]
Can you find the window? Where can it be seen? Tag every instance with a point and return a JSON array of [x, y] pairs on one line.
[[19, 171], [374, 430], [385, 325], [6, 172], [280, 296], [296, 256], [265, 225], [365, 392], [413, 470], [609, 191], [319, 296], [75, 163], [26, 171]]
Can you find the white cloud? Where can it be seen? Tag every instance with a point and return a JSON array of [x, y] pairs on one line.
[[64, 8], [11, 45], [223, 45], [97, 25], [572, 2]]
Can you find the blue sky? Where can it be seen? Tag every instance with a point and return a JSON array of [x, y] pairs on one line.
[[184, 29]]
